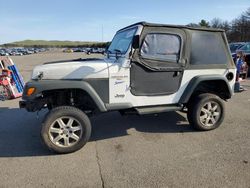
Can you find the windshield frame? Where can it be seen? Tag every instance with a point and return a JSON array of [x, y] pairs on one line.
[[123, 53]]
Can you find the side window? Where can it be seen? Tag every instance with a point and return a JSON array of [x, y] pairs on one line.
[[207, 48], [165, 47]]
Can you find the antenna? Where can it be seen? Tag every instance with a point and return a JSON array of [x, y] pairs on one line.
[[102, 33]]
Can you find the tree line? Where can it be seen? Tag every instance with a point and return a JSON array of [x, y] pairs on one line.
[[55, 44], [238, 30]]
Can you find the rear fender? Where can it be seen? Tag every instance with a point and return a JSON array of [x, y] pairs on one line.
[[197, 80]]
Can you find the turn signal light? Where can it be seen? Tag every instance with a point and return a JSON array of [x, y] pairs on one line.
[[30, 91]]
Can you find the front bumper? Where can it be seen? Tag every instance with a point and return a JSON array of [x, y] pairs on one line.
[[32, 106], [22, 104]]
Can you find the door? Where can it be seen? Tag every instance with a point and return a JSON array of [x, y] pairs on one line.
[[156, 69]]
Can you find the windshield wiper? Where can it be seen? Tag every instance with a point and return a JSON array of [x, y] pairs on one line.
[[118, 51], [114, 51]]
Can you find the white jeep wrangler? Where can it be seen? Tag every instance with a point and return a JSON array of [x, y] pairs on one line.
[[148, 68]]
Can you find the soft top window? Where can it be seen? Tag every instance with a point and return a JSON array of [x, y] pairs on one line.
[[207, 48], [159, 46]]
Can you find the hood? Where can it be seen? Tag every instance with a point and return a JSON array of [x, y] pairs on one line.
[[73, 69]]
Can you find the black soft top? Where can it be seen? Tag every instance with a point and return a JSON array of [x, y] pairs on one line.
[[173, 26]]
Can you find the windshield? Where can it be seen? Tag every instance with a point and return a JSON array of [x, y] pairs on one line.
[[122, 41]]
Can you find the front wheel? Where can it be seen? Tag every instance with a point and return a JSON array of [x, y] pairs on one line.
[[206, 112], [66, 129]]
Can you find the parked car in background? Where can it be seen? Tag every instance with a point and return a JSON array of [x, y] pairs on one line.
[[101, 50], [95, 50], [79, 50], [68, 50], [19, 51], [245, 48], [235, 46], [3, 53], [88, 51], [26, 51], [16, 52]]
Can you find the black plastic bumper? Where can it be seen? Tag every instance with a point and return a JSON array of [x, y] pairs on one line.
[[32, 106], [22, 104]]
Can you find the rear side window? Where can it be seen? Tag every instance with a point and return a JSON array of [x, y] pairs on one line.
[[207, 48], [165, 47]]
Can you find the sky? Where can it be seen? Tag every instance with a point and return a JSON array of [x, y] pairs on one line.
[[98, 20]]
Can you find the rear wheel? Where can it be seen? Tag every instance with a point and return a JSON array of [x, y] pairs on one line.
[[206, 112], [66, 129]]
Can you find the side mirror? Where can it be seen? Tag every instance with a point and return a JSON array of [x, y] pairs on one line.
[[135, 42]]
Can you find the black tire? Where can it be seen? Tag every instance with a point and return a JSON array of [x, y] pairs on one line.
[[72, 126], [206, 112]]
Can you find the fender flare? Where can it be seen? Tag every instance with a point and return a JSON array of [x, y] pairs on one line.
[[46, 85], [194, 82]]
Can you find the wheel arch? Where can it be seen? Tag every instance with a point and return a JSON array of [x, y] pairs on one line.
[[216, 84], [68, 111], [54, 85]]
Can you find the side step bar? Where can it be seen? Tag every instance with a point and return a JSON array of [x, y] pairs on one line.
[[157, 109]]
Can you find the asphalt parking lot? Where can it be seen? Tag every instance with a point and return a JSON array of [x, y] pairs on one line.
[[126, 151]]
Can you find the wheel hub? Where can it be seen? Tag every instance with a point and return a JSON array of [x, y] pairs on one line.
[[210, 114], [65, 131]]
